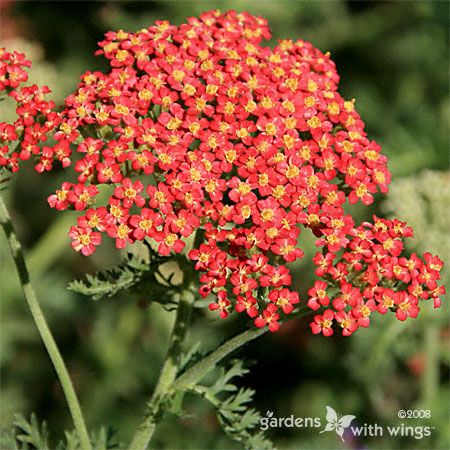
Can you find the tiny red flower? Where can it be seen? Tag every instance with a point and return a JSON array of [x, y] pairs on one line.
[[269, 317], [84, 240]]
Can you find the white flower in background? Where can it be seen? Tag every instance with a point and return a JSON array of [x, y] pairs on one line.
[[422, 201]]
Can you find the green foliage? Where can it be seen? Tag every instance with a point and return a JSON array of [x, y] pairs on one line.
[[32, 435], [190, 357], [238, 420], [26, 435], [107, 283], [222, 383], [135, 275], [104, 439]]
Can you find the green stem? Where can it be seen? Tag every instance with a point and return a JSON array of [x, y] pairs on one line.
[[193, 375], [168, 384], [199, 370], [44, 330], [163, 389]]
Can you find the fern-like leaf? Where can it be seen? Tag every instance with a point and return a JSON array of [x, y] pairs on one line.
[[238, 420], [105, 439], [133, 274], [31, 435], [190, 357], [222, 383], [8, 440], [109, 282], [26, 434]]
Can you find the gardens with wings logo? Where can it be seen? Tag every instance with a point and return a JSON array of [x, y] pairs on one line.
[[337, 423], [343, 426]]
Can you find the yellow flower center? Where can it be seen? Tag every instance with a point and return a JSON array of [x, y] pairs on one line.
[[130, 193], [61, 195], [145, 224], [267, 214], [292, 172], [122, 231], [170, 239], [84, 197], [85, 239], [361, 190], [272, 232]]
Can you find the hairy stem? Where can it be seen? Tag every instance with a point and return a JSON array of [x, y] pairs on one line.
[[162, 392], [168, 384], [199, 370], [43, 328], [193, 375]]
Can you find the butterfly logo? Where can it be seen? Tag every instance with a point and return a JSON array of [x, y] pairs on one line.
[[338, 424]]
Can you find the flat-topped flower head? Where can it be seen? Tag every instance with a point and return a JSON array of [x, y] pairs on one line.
[[201, 126]]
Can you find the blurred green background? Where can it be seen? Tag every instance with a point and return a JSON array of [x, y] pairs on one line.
[[392, 57]]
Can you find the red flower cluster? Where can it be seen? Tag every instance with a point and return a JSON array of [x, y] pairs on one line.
[[199, 126], [371, 275], [36, 118]]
